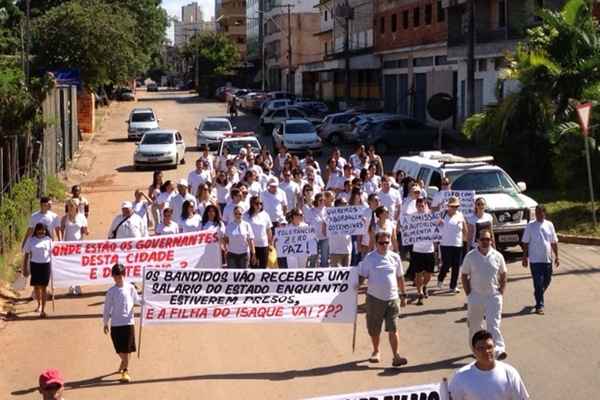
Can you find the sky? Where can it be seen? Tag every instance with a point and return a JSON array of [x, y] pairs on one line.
[[173, 7]]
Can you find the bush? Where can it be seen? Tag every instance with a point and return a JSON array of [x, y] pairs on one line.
[[55, 188]]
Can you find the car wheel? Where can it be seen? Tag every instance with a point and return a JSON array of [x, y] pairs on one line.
[[380, 147], [335, 139], [176, 162]]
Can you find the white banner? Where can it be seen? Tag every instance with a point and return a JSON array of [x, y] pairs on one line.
[[293, 240], [260, 295], [467, 201], [419, 227], [89, 262], [345, 220], [434, 391]]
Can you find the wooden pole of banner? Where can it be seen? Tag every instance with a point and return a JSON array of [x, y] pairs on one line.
[[354, 328], [141, 313], [52, 288]]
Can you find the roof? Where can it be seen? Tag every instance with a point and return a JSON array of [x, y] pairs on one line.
[[437, 159], [144, 109], [240, 139], [161, 130], [216, 119]]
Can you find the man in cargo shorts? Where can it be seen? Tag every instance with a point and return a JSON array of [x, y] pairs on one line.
[[383, 270]]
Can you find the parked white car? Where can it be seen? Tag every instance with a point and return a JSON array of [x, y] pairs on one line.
[[237, 142], [160, 147], [510, 208], [140, 121], [211, 130], [298, 135]]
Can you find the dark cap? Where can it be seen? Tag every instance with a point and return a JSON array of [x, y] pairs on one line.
[[118, 269]]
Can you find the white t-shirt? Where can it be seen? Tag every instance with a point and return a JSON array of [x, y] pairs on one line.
[[484, 270], [176, 204], [141, 209], [49, 219], [539, 236], [503, 382], [356, 161], [316, 217], [388, 226], [171, 229], [382, 273], [479, 224], [118, 305], [254, 189], [228, 210], [340, 244], [452, 230], [439, 199], [292, 191], [223, 192], [336, 180], [82, 203], [372, 184], [196, 178], [165, 198], [391, 200], [259, 222], [40, 249], [191, 224], [273, 204], [238, 235], [72, 230], [134, 227], [201, 207]]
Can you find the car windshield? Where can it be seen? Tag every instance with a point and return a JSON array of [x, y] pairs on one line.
[[235, 147], [158, 138], [299, 128], [216, 126], [142, 117], [482, 182]]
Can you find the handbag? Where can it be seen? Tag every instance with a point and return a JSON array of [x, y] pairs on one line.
[[272, 258]]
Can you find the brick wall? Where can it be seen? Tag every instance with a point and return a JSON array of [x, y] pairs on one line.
[[86, 111], [411, 35]]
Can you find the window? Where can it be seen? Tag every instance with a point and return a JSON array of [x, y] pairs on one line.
[[279, 114], [416, 17], [382, 25], [423, 62], [295, 114], [405, 19], [325, 17], [501, 14], [394, 23], [441, 13], [482, 65], [325, 48], [428, 14], [441, 60]]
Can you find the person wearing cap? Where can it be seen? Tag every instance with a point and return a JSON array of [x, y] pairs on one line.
[[182, 195], [51, 384], [383, 270], [118, 309], [274, 202], [127, 224], [455, 231], [483, 275]]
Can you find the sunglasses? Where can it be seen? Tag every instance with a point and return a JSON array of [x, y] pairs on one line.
[[485, 239]]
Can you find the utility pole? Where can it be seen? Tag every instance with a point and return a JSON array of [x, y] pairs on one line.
[[471, 60]]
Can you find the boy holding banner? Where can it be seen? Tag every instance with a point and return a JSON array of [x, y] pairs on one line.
[[118, 308]]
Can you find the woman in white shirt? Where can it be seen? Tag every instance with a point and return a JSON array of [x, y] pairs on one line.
[[222, 187], [36, 261], [422, 259], [73, 225], [239, 241], [203, 198], [316, 218], [383, 223], [250, 179], [296, 218], [167, 226], [153, 192], [261, 225], [454, 233], [340, 245], [190, 220], [140, 206], [221, 161], [213, 256], [479, 221]]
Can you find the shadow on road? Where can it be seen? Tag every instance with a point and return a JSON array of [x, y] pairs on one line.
[[450, 363], [562, 272], [120, 140], [100, 381], [35, 317]]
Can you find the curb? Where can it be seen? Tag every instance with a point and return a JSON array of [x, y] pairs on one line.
[[575, 239]]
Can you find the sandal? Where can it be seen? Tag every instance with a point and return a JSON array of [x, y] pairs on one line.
[[375, 358], [399, 361]]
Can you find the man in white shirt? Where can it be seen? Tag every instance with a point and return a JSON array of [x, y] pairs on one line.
[[182, 195], [484, 280], [390, 198], [290, 188], [539, 242], [438, 199], [46, 217], [383, 270], [235, 200], [486, 378], [199, 176], [357, 158], [275, 202], [128, 224]]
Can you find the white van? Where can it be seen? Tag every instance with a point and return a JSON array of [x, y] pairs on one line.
[[510, 208]]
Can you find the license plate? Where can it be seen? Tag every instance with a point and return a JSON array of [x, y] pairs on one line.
[[153, 158], [508, 238]]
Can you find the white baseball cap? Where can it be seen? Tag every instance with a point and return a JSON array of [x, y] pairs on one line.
[[273, 182], [126, 204], [183, 182]]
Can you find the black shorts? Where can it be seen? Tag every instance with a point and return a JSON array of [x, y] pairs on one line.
[[123, 338], [40, 273], [422, 262]]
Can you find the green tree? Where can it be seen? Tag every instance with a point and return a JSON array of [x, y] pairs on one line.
[[532, 130], [94, 37], [214, 53]]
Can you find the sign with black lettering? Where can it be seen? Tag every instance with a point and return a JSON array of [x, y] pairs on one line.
[[291, 240], [434, 391], [345, 220], [420, 227]]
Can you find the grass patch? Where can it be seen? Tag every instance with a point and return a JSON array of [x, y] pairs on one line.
[[571, 214]]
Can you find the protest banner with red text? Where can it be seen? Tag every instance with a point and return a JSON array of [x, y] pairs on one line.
[[263, 295], [89, 262], [434, 391]]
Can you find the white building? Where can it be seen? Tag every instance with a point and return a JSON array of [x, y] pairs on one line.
[[192, 21]]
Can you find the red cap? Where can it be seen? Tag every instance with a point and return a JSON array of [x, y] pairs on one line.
[[51, 377]]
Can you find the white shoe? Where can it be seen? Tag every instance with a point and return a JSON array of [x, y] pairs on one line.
[[77, 290], [440, 285], [455, 290]]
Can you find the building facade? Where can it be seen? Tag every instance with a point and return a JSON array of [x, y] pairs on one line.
[[230, 16], [192, 21]]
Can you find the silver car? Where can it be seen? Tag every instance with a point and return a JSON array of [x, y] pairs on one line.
[[336, 128], [160, 147], [212, 130], [140, 121]]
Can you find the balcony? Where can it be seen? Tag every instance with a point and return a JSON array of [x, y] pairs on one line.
[[484, 36]]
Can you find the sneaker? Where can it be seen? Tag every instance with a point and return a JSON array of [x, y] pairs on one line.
[[375, 358], [78, 290], [455, 290], [399, 361], [539, 310], [440, 285], [125, 378]]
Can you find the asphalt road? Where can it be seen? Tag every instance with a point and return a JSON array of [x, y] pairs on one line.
[[556, 354]]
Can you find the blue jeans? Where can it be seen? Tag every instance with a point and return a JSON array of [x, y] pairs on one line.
[[322, 255], [542, 275]]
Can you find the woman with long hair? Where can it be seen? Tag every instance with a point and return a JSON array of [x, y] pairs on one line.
[[479, 221], [239, 241], [153, 192], [382, 223], [222, 188], [316, 219], [211, 219], [203, 198], [261, 225], [422, 259], [190, 220], [168, 226], [37, 262], [73, 225]]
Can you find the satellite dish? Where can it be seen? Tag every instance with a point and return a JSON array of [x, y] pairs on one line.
[[441, 106]]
